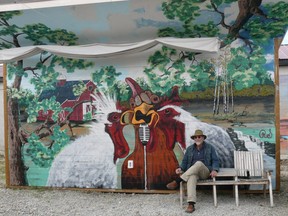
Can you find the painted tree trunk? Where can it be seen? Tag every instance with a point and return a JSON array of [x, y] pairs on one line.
[[16, 166]]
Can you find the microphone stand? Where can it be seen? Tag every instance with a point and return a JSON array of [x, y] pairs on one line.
[[144, 134]]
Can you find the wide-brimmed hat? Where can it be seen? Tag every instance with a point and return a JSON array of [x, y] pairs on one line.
[[198, 133]]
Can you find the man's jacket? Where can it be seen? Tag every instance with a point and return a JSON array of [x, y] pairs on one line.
[[211, 160]]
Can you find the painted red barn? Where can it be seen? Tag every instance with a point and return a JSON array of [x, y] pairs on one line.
[[82, 104]]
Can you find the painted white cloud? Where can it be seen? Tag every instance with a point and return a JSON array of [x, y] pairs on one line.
[[143, 20], [110, 22], [285, 39], [237, 43], [231, 13], [271, 74], [269, 58]]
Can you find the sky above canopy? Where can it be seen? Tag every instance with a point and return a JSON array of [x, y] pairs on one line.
[[285, 39]]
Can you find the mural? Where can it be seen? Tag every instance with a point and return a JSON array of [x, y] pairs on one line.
[[124, 122]]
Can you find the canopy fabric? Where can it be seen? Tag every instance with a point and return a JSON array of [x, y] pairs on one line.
[[107, 50]]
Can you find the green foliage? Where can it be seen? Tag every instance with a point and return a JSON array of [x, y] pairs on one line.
[[40, 34], [256, 91], [42, 155], [14, 70], [163, 73], [202, 76], [143, 83], [5, 16], [60, 139], [123, 91], [106, 79], [39, 154], [183, 10], [46, 79], [187, 11], [62, 37], [88, 116], [47, 104], [274, 26], [79, 88], [246, 69], [24, 96], [70, 65], [169, 32], [168, 68], [208, 93], [6, 30]]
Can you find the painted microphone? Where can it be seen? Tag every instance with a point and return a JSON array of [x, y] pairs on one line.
[[144, 133]]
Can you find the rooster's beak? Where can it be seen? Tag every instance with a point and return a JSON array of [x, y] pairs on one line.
[[143, 114]]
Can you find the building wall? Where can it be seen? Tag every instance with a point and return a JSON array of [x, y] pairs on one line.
[[283, 72]]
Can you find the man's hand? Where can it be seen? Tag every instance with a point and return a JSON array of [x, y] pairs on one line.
[[178, 171], [213, 173]]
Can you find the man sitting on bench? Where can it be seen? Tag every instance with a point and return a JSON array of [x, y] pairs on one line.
[[200, 162]]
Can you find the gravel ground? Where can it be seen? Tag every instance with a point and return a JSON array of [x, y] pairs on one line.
[[68, 202]]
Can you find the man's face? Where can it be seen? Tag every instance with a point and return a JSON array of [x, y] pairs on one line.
[[198, 140]]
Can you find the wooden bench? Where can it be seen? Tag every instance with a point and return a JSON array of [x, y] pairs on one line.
[[248, 165], [223, 172]]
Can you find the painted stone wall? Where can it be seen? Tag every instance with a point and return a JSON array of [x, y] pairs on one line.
[[124, 122]]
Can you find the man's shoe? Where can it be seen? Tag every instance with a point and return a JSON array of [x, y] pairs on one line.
[[172, 185], [190, 208]]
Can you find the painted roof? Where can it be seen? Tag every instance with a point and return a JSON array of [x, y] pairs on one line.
[[61, 92], [283, 52], [283, 55]]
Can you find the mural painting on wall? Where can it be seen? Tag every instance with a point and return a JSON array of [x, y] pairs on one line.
[[112, 124]]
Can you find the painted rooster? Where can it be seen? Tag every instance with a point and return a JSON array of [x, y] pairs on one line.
[[158, 124], [154, 161]]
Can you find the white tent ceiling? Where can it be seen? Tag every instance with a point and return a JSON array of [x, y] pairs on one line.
[[107, 50], [12, 5]]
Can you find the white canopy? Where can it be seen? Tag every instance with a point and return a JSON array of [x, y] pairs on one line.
[[108, 50]]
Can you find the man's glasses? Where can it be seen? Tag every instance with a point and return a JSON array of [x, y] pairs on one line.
[[196, 137]]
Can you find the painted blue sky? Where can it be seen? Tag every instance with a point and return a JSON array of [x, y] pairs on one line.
[[285, 39], [103, 23], [110, 22]]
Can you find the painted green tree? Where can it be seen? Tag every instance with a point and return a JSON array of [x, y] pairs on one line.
[[106, 79], [43, 77], [254, 28]]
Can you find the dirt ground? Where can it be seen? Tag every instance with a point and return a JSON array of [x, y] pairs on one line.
[[38, 202]]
